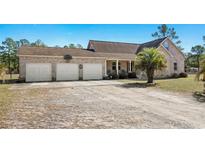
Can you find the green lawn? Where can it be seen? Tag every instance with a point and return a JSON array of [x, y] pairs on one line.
[[178, 85]]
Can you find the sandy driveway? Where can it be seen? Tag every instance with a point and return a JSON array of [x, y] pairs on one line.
[[100, 104]]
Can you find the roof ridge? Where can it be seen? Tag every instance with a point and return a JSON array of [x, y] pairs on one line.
[[50, 47], [155, 40], [114, 42]]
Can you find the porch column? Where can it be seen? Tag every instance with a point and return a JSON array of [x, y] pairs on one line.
[[117, 67], [105, 68], [130, 68]]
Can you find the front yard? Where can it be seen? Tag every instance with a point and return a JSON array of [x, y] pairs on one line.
[[101, 104], [188, 84], [6, 97]]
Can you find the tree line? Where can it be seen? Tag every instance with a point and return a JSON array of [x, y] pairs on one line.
[[9, 48], [197, 54]]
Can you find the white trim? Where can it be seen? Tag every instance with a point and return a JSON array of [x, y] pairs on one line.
[[130, 66], [164, 41], [172, 44], [76, 57], [161, 45], [166, 50], [37, 56], [105, 67], [106, 58], [58, 56], [90, 57], [117, 69], [120, 59]]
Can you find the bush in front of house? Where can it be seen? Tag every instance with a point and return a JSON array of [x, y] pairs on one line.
[[106, 78], [132, 75], [112, 75], [174, 75], [180, 75], [109, 74], [123, 74], [183, 75]]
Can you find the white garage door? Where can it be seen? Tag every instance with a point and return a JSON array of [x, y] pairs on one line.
[[67, 72], [92, 71], [38, 72]]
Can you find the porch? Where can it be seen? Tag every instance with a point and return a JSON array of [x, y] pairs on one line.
[[117, 66]]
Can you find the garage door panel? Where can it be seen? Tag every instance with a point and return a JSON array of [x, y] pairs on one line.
[[67, 72], [92, 71], [38, 72]]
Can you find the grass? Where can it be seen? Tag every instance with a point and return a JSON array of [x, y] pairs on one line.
[[4, 92], [178, 85], [181, 85], [5, 97], [14, 77]]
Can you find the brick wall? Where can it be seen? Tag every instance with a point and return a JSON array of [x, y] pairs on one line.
[[54, 60], [178, 58]]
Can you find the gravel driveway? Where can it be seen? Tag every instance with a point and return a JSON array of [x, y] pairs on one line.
[[100, 104]]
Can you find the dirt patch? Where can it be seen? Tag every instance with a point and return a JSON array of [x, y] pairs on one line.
[[85, 105]]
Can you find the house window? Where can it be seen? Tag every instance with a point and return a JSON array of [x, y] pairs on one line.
[[166, 45], [132, 65], [114, 65], [175, 66]]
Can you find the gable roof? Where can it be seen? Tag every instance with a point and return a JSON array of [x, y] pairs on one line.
[[52, 51], [103, 49], [112, 47], [121, 47], [151, 44]]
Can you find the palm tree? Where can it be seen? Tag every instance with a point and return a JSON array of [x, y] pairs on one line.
[[149, 60]]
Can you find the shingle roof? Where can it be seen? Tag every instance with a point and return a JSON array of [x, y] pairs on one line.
[[112, 47], [151, 44], [51, 51], [95, 49], [121, 47]]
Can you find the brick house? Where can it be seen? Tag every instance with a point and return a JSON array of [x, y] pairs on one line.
[[100, 58]]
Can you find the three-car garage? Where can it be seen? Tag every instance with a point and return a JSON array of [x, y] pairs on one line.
[[63, 71]]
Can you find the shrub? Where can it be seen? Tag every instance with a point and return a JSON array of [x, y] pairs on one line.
[[132, 75], [174, 75], [183, 75], [114, 75], [123, 74], [106, 78], [200, 96]]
